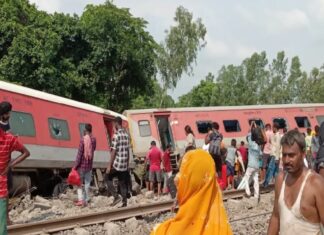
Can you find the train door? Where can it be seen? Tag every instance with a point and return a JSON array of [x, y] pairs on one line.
[[164, 129], [109, 129]]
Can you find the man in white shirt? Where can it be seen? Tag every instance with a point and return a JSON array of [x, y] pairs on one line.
[[273, 168]]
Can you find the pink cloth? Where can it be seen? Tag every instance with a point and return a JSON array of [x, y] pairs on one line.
[[88, 153], [155, 158], [267, 146]]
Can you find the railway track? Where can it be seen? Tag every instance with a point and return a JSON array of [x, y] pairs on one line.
[[65, 223]]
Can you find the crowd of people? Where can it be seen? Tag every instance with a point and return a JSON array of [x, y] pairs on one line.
[[298, 205], [290, 158]]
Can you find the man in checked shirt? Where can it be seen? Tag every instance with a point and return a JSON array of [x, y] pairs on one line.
[[118, 164]]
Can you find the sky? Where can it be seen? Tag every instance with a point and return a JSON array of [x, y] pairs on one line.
[[235, 29]]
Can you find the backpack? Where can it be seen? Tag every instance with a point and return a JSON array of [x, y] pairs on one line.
[[259, 136], [215, 143]]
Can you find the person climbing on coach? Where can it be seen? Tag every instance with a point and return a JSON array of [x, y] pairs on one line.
[[190, 139], [83, 164], [8, 144], [118, 163], [299, 192]]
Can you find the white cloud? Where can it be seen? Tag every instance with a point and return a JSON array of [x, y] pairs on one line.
[[45, 5], [287, 20], [243, 51], [216, 48], [245, 13], [316, 8]]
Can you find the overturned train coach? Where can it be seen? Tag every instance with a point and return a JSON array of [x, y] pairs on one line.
[[51, 127], [166, 126]]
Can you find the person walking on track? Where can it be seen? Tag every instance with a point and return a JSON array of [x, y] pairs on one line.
[[118, 164], [83, 164]]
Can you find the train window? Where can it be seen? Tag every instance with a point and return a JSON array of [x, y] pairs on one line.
[[22, 124], [259, 122], [232, 126], [281, 122], [203, 126], [82, 128], [144, 128], [320, 119], [302, 122], [59, 129]]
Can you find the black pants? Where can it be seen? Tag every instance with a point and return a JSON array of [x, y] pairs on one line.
[[218, 164], [122, 183]]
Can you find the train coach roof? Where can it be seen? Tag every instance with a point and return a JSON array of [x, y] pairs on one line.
[[223, 108], [56, 99]]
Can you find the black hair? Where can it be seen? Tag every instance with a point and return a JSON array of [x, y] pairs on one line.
[[153, 143], [88, 127], [215, 125], [233, 142], [189, 130], [276, 125], [188, 148], [5, 107], [118, 120]]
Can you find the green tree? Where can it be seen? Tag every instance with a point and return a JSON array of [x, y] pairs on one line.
[[178, 52], [278, 79], [200, 95], [152, 99], [121, 59], [106, 57]]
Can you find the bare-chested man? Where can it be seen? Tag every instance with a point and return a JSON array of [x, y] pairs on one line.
[[299, 192]]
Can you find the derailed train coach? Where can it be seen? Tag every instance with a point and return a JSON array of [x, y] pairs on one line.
[[166, 126], [51, 127]]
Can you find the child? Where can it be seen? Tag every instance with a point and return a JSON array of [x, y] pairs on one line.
[[230, 163]]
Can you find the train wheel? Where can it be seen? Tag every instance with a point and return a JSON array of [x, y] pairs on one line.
[[59, 189]]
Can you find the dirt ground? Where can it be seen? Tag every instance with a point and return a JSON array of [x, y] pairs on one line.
[[38, 208]]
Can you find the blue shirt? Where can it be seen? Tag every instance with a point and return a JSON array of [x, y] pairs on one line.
[[254, 153], [231, 154]]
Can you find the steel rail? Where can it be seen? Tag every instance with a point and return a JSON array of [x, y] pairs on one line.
[[250, 216], [65, 223]]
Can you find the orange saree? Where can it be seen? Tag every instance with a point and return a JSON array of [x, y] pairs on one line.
[[201, 209]]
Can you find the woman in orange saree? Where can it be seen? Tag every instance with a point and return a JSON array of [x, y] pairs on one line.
[[201, 209]]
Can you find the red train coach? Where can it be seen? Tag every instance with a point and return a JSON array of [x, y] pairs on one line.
[[166, 126], [51, 127]]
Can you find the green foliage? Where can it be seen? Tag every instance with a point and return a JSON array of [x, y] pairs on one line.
[[121, 55], [200, 95], [105, 57], [257, 82], [178, 52], [153, 99]]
